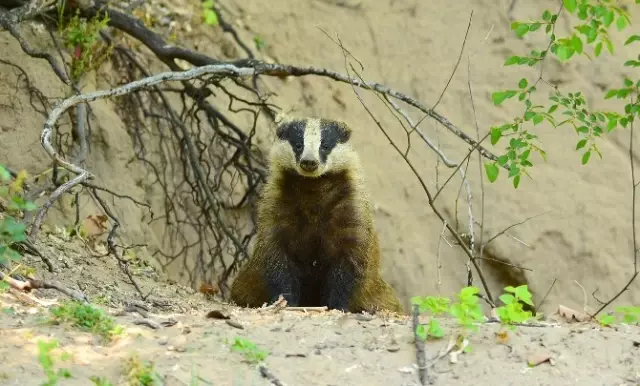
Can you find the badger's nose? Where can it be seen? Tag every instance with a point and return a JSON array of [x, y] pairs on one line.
[[308, 165]]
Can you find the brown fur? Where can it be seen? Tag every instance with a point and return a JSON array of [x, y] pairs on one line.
[[318, 221]]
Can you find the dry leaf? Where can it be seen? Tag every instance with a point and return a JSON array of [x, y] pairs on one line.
[[94, 225], [503, 337], [208, 289], [572, 315]]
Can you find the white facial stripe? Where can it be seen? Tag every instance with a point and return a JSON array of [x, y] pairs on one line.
[[312, 138]]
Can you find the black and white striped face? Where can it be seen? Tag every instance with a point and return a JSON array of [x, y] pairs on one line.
[[312, 146]]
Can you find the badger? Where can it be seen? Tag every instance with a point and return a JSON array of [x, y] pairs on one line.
[[316, 242]]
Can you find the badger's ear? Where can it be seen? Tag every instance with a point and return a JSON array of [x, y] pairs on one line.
[[344, 132], [281, 130]]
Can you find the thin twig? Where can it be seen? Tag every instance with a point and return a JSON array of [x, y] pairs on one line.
[[633, 224], [464, 41], [514, 225]]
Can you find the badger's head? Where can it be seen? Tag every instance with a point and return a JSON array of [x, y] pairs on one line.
[[312, 146]]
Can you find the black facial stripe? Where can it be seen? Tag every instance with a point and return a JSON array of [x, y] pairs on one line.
[[331, 133], [293, 132]]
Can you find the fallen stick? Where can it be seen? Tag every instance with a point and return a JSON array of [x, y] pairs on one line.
[[268, 375], [32, 284]]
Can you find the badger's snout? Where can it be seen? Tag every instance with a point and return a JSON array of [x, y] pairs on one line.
[[309, 164]]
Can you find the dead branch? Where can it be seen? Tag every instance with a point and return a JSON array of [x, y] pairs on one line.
[[420, 349], [266, 373], [83, 175], [32, 284]]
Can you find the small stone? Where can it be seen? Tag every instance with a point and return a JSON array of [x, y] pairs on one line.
[[393, 348]]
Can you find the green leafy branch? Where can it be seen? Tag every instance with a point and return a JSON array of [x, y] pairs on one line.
[[597, 17], [630, 315]]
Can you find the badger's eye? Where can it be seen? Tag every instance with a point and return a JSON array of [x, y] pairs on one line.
[[324, 147], [298, 146]]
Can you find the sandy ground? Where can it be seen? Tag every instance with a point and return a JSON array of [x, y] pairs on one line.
[[303, 348]]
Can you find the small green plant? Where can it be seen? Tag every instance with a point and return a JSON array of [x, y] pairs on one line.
[[436, 306], [11, 229], [209, 15], [141, 373], [83, 37], [514, 301], [86, 317], [249, 349], [100, 381], [47, 362], [629, 314], [259, 42], [466, 311]]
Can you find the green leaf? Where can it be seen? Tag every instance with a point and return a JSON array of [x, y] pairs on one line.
[[496, 134], [581, 143], [528, 115], [523, 83], [631, 39], [537, 119], [598, 49], [609, 46], [606, 319], [516, 181], [512, 60], [434, 329], [608, 18], [564, 52], [507, 298], [211, 18], [552, 109], [576, 44], [611, 94], [546, 15], [4, 174], [628, 82], [621, 23], [12, 254], [522, 30], [492, 171], [585, 157], [500, 96], [570, 5], [421, 332]]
